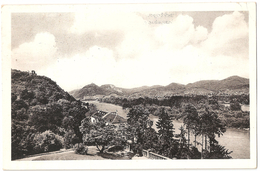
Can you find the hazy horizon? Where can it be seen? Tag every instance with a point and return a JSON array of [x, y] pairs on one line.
[[131, 49], [144, 85], [165, 84], [156, 84]]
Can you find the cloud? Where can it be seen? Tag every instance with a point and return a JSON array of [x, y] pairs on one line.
[[229, 36], [160, 66], [36, 54], [95, 66], [136, 43], [200, 34], [143, 54], [26, 25], [192, 63], [180, 32], [136, 33]]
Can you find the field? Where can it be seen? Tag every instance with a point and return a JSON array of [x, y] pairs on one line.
[[110, 108]]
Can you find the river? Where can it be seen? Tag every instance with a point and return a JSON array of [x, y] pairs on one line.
[[234, 140]]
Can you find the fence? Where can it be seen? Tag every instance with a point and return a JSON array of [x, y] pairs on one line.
[[155, 156]]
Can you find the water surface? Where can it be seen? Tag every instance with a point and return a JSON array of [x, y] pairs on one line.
[[233, 139]]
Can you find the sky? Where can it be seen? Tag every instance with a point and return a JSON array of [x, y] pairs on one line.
[[131, 49]]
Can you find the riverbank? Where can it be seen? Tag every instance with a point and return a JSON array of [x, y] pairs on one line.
[[234, 139]]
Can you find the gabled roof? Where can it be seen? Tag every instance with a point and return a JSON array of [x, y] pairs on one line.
[[114, 118], [99, 114]]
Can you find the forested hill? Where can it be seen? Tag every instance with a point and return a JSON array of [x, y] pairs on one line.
[[42, 110], [36, 89], [231, 85]]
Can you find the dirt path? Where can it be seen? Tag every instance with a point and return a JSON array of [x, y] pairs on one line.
[[30, 158]]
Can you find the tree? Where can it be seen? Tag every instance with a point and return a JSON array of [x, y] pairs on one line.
[[194, 153], [137, 118], [13, 97], [164, 125], [140, 127], [77, 113], [27, 95], [235, 106], [137, 113], [165, 131], [182, 136], [46, 117], [190, 120], [209, 126], [41, 97], [219, 152], [150, 139], [68, 123], [19, 104], [20, 131], [100, 134], [47, 141], [19, 110], [70, 139]]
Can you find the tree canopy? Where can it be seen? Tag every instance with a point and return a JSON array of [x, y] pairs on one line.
[[101, 135]]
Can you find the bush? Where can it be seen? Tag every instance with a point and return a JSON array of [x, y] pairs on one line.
[[22, 140], [239, 115], [235, 106], [80, 148], [194, 153], [218, 152], [115, 148], [47, 141], [70, 139]]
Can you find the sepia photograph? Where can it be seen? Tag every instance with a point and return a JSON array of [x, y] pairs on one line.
[[142, 86]]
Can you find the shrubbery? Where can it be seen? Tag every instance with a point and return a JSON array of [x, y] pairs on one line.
[[47, 141], [70, 139], [115, 149], [235, 106], [26, 143], [39, 105], [80, 148]]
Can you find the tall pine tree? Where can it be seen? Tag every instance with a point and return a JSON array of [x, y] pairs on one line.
[[165, 132]]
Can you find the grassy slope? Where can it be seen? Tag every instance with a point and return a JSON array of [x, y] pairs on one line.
[[92, 155], [110, 108]]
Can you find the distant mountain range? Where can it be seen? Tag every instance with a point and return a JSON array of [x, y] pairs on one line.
[[230, 85]]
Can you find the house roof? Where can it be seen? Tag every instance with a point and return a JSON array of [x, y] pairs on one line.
[[100, 114], [114, 118]]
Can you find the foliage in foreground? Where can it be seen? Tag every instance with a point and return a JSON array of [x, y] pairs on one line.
[[47, 141], [101, 135], [80, 148], [39, 105], [204, 123], [70, 139], [34, 143]]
